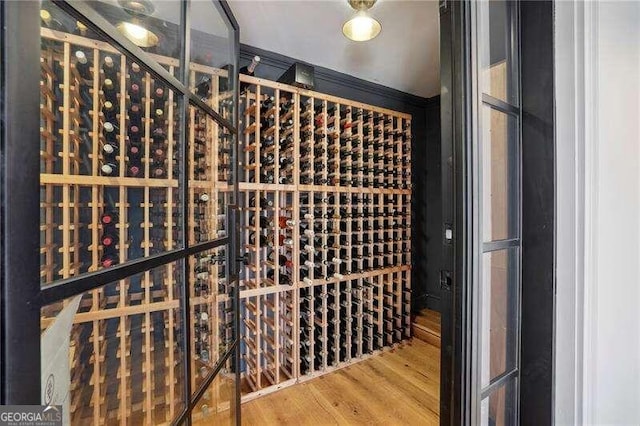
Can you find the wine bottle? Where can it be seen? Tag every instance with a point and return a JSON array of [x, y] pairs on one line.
[[83, 65], [158, 169], [159, 94], [286, 222], [110, 90], [110, 151], [109, 238], [135, 73], [284, 241], [134, 166], [285, 279], [250, 71], [263, 202], [159, 136], [135, 132], [109, 259], [109, 111], [109, 218], [135, 114], [109, 68], [263, 221], [48, 21], [263, 241], [135, 92], [203, 88], [109, 169]]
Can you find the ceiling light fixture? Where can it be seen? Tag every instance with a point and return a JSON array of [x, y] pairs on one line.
[[135, 30], [139, 35], [361, 27]]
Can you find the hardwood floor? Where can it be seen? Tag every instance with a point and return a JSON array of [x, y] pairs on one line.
[[400, 387], [426, 326]]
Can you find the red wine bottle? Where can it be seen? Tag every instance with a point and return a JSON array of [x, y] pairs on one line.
[[109, 238], [135, 114], [109, 218], [134, 167], [158, 169], [109, 259], [159, 94], [286, 222]]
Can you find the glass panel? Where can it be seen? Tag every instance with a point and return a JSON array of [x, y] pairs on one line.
[[109, 156], [209, 192], [499, 175], [212, 57], [211, 305], [154, 26], [499, 313], [122, 347], [496, 41], [499, 408], [217, 405]]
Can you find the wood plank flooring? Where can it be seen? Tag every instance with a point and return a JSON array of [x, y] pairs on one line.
[[426, 326], [400, 387]]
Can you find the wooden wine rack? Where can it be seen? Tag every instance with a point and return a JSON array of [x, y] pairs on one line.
[[342, 168], [127, 359]]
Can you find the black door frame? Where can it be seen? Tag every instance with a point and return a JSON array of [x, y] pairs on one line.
[[21, 295], [538, 206], [455, 69]]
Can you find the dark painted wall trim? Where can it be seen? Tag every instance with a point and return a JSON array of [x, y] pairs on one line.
[[538, 199], [426, 197], [280, 61]]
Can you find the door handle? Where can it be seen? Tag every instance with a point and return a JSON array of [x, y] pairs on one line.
[[445, 280], [244, 259]]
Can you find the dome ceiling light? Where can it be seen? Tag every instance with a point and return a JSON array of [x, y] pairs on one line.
[[361, 27], [136, 30]]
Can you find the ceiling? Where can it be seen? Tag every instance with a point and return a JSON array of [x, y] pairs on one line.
[[405, 56]]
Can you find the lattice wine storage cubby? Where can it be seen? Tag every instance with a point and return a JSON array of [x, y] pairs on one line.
[[326, 224], [111, 192]]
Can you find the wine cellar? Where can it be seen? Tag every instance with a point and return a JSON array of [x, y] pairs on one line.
[[325, 227], [324, 224]]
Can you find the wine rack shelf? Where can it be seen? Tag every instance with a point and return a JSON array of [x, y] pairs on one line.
[[326, 224], [110, 171]]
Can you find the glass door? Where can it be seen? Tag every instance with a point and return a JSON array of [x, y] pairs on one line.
[[497, 111], [482, 210], [137, 287]]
